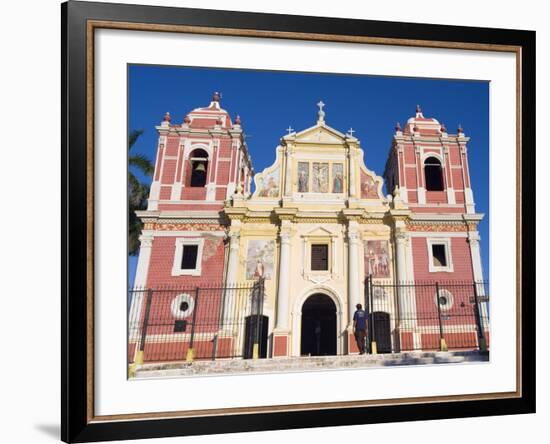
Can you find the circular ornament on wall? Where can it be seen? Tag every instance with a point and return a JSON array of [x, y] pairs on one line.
[[182, 305]]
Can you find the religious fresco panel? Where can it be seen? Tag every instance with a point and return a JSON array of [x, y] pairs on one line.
[[377, 260], [259, 259], [269, 184], [369, 187], [320, 177], [303, 177], [337, 178]]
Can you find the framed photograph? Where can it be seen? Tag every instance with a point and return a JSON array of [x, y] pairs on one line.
[[276, 221]]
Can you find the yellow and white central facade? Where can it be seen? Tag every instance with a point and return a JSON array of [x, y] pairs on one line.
[[305, 230]]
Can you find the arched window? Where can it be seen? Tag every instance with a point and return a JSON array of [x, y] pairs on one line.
[[433, 174], [199, 167]]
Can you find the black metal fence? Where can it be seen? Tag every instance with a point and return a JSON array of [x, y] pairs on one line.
[[211, 322], [205, 322], [406, 316]]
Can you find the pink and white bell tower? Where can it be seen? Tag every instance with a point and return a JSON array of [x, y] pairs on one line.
[[430, 167], [435, 224], [200, 163]]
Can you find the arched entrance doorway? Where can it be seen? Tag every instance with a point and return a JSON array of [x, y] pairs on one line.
[[318, 326]]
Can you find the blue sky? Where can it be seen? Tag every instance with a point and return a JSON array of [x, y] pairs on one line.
[[268, 102]]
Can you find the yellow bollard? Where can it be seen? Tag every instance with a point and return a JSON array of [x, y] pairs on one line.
[[443, 345], [256, 351], [190, 355], [138, 359], [373, 348]]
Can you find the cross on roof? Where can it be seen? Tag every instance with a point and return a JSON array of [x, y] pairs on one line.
[[351, 131], [320, 105], [290, 129]]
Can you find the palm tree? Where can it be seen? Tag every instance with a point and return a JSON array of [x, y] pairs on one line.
[[137, 191]]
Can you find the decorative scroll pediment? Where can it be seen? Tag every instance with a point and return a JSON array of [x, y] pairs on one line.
[[269, 181], [370, 185]]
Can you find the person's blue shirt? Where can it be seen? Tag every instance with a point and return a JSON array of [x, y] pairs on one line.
[[360, 319]]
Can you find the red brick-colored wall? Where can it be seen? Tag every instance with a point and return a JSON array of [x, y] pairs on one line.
[[223, 172], [280, 346], [460, 256], [162, 260]]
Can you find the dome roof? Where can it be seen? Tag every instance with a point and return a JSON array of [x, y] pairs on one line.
[[422, 125]]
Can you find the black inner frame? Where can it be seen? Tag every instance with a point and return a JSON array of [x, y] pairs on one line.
[[75, 426], [319, 257], [189, 257]]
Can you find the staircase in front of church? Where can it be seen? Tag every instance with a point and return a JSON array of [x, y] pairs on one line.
[[305, 363]]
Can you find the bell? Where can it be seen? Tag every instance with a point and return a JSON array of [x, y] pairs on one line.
[[200, 167]]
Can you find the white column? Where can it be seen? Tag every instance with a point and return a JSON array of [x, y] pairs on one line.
[[334, 256], [284, 282], [233, 261], [231, 277], [420, 185], [288, 172], [405, 308], [154, 195], [475, 253], [353, 268], [140, 281], [146, 243], [469, 201], [351, 168]]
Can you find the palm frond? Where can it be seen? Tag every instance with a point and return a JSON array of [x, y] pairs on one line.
[[133, 137], [142, 163]]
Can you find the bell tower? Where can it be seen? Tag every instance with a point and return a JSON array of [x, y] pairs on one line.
[[201, 162], [430, 167]]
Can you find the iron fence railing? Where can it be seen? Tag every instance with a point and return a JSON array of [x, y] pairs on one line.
[[203, 322], [406, 316], [209, 322]]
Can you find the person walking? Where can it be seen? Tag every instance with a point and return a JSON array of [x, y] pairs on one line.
[[360, 328]]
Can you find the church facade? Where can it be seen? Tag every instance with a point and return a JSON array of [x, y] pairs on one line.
[[318, 231]]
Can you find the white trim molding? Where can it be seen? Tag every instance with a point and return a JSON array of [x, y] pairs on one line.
[[448, 256], [180, 243]]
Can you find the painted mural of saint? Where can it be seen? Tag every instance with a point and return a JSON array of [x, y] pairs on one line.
[[272, 188], [260, 269], [377, 263], [337, 178], [368, 187], [269, 186], [259, 259], [383, 269], [303, 177]]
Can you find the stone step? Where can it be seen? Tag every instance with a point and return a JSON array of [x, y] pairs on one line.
[[304, 363]]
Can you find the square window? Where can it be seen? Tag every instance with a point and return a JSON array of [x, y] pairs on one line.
[[189, 257], [439, 254], [319, 257]]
